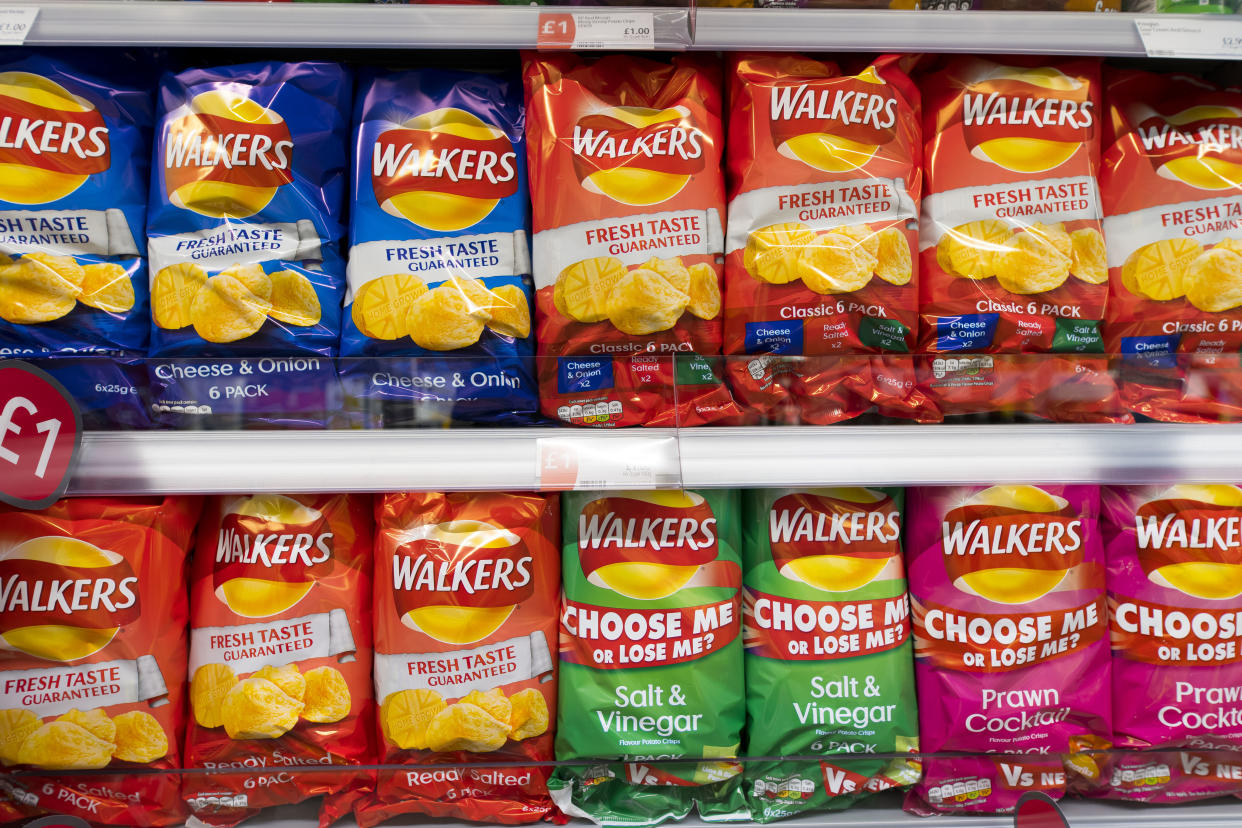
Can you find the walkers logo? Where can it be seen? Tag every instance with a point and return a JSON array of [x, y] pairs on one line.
[[1190, 539], [637, 155], [1027, 120], [1199, 145], [646, 545], [459, 581], [862, 527], [444, 170], [226, 156], [51, 140], [270, 550], [62, 599], [1011, 544], [835, 125]]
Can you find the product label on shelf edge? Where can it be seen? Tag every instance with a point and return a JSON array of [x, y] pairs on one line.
[[16, 23], [1178, 37], [585, 462], [596, 30]]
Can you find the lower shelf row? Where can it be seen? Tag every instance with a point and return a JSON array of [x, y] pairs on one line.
[[626, 657]]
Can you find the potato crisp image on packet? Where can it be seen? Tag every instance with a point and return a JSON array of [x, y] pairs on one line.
[[1172, 190], [829, 658], [466, 590], [1011, 641], [280, 653], [72, 204], [664, 568], [628, 203], [245, 215], [94, 680]]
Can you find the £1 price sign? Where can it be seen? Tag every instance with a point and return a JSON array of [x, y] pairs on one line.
[[40, 435]]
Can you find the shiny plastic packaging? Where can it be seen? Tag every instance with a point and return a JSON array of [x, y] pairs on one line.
[[1011, 641], [439, 258], [280, 655], [665, 568], [466, 591], [829, 659], [245, 215], [74, 148], [93, 665]]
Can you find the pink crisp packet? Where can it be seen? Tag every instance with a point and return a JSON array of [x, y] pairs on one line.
[[1011, 640], [1168, 777]]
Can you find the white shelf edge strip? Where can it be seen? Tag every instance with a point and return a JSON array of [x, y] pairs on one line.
[[260, 24], [213, 462], [154, 462], [930, 455]]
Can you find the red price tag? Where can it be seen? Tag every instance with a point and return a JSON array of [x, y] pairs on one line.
[[558, 466], [40, 435], [557, 30], [1038, 810]]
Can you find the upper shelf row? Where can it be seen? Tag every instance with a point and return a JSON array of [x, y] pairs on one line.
[[108, 22]]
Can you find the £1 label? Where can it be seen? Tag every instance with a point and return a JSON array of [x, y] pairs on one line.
[[40, 435]]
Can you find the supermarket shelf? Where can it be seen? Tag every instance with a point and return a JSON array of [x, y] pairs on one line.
[[151, 462], [104, 22], [922, 31], [885, 812], [892, 455], [361, 461]]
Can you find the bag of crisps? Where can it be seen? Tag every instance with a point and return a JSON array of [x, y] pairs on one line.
[[628, 203], [1011, 640], [1174, 586], [648, 390], [1172, 189], [829, 663], [651, 657], [110, 392], [280, 655], [825, 181], [245, 211], [72, 204], [1012, 255], [92, 667], [466, 587], [439, 258]]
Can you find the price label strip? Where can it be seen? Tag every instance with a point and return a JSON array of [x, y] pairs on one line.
[[40, 436], [596, 30], [1209, 37], [607, 462], [16, 23]]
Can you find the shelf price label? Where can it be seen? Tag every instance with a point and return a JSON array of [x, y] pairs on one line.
[[596, 30], [16, 23], [40, 436], [606, 462], [1209, 37]]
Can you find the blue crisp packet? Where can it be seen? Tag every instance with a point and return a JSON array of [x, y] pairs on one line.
[[439, 260], [74, 150], [245, 219]]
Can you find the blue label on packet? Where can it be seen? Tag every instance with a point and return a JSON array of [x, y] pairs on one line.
[[110, 393], [575, 375], [405, 391], [1158, 351], [76, 150], [245, 219], [773, 337], [965, 333], [284, 392]]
